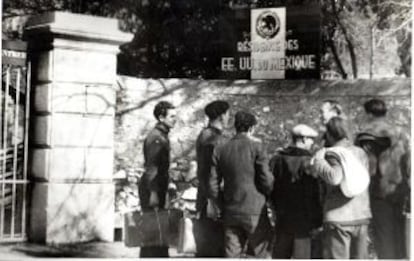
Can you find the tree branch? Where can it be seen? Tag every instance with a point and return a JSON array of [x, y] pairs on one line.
[[391, 32], [348, 40], [397, 3], [336, 58], [29, 11]]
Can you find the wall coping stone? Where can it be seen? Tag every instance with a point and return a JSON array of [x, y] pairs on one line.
[[359, 87], [82, 27]]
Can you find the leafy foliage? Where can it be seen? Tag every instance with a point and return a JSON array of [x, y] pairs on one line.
[[393, 18], [367, 29], [173, 39], [180, 38]]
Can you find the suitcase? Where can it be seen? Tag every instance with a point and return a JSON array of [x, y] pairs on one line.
[[152, 228]]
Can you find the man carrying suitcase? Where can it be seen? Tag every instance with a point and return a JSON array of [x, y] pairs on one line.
[[154, 183]]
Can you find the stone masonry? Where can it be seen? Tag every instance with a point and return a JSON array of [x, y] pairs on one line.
[[279, 105], [72, 124]]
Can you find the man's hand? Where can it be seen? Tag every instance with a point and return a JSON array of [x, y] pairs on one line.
[[316, 231], [154, 200], [213, 210], [320, 154]]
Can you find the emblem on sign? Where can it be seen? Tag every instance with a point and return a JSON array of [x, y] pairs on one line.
[[267, 25]]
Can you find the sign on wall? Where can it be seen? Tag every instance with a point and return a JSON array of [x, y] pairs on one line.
[[14, 52], [267, 50], [271, 43]]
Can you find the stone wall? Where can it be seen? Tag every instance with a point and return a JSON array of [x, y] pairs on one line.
[[278, 104]]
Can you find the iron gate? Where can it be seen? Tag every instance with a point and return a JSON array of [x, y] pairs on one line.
[[14, 118]]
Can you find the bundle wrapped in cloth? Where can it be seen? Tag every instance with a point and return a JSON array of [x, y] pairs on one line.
[[356, 177]]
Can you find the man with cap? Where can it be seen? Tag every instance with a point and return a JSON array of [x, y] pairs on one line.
[[242, 166], [209, 240], [295, 196]]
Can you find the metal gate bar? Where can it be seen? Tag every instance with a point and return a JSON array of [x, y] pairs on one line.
[[3, 172], [26, 144], [16, 130], [4, 141]]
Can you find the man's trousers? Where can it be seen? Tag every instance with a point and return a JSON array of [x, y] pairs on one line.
[[389, 230], [241, 240], [291, 245], [345, 241]]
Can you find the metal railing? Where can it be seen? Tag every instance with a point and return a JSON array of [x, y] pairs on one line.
[[14, 118]]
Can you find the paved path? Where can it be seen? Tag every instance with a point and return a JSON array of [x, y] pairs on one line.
[[20, 251]]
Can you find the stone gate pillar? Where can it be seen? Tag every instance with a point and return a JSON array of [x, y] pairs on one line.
[[72, 126]]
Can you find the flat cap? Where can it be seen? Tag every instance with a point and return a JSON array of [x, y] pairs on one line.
[[303, 130]]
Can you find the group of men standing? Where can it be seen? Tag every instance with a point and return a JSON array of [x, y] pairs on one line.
[[305, 191]]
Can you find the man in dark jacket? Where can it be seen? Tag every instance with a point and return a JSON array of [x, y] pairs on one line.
[[295, 196], [209, 240], [154, 183], [242, 165], [388, 148]]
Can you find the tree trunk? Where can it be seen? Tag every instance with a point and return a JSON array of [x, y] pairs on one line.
[[348, 40], [371, 53], [352, 54], [403, 51], [337, 58]]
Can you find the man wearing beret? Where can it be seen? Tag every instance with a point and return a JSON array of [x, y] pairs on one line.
[[295, 196], [243, 167], [209, 241]]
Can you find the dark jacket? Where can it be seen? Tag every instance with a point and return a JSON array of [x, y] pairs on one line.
[[389, 149], [207, 140], [157, 163], [244, 167], [296, 193], [337, 207]]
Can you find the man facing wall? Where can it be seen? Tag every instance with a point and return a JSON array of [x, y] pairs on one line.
[[243, 166]]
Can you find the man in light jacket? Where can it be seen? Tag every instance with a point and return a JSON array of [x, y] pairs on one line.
[[345, 219]]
